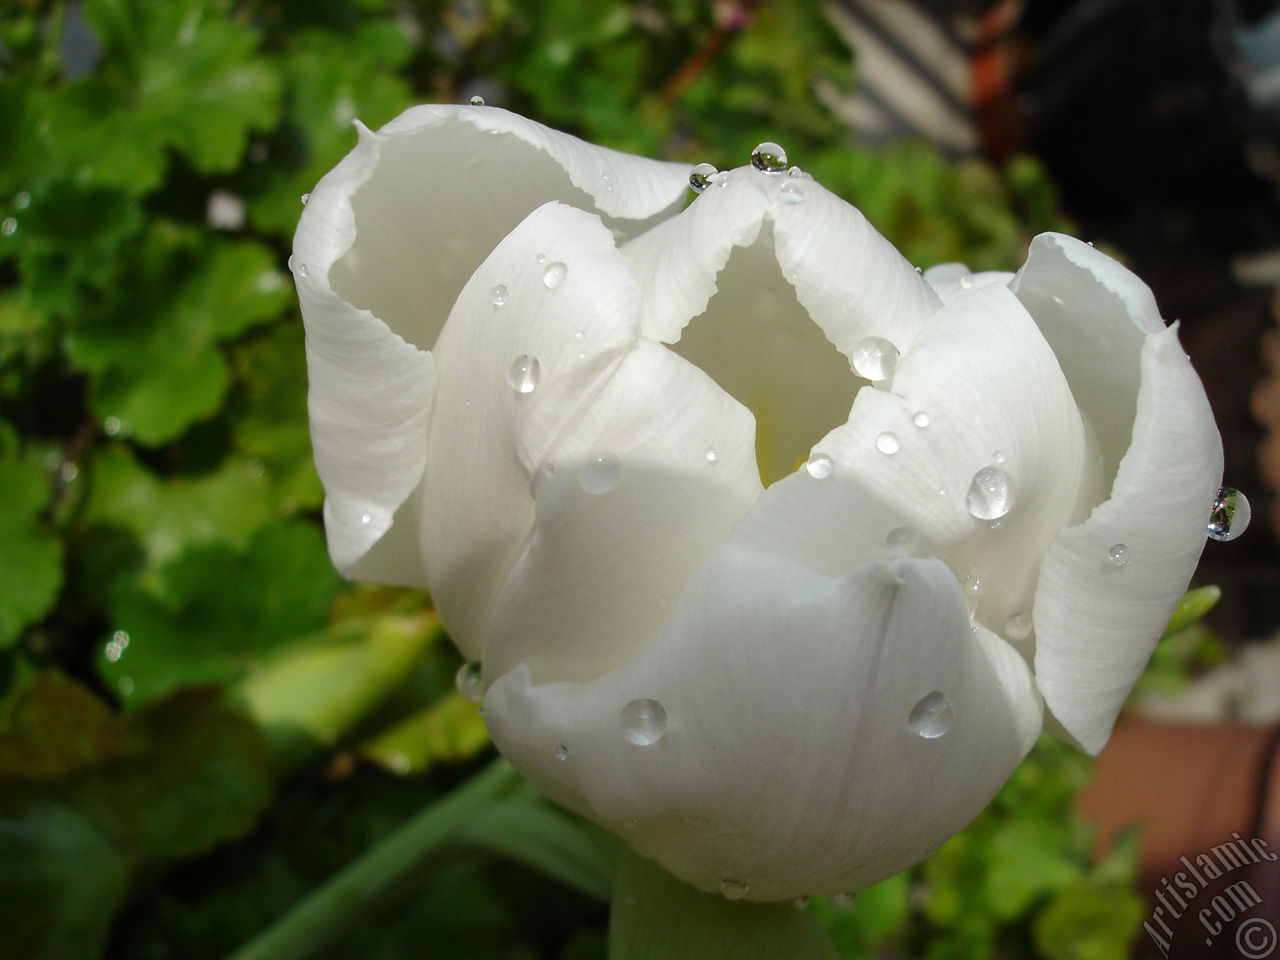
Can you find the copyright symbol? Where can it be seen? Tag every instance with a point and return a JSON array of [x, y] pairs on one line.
[[1255, 938]]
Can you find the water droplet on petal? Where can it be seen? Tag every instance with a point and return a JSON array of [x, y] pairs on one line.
[[875, 358], [553, 276], [700, 176], [467, 680], [733, 889], [1018, 626], [600, 473], [523, 374], [797, 174], [366, 518], [561, 752], [302, 269], [921, 419], [901, 540], [1230, 515], [931, 717], [498, 294], [769, 157], [887, 443], [477, 101], [990, 494], [711, 455], [819, 466], [542, 258], [966, 283], [998, 456], [1118, 556], [790, 193], [549, 470], [305, 198], [643, 722]]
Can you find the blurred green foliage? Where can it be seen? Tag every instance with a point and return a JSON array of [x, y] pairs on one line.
[[200, 722]]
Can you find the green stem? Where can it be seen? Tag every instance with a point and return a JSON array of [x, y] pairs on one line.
[[327, 912]]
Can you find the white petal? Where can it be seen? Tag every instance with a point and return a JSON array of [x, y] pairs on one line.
[[652, 474], [1095, 315], [488, 439], [770, 295], [991, 395], [1096, 624], [370, 391], [383, 247], [790, 759], [951, 280], [854, 282]]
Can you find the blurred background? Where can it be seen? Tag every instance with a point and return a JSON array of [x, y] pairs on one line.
[[200, 722]]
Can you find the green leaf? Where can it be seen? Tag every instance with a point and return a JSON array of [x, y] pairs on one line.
[[179, 75], [447, 731], [30, 553], [657, 917], [61, 882], [1192, 607], [1089, 922], [311, 694], [171, 516], [215, 610], [165, 782], [154, 352], [1026, 861]]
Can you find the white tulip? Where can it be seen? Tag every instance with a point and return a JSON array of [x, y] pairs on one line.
[[798, 688]]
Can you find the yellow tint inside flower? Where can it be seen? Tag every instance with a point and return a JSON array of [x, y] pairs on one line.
[[761, 346]]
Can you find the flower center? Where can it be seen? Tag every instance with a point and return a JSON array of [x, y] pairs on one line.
[[761, 346]]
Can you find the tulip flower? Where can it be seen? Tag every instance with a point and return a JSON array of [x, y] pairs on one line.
[[773, 554]]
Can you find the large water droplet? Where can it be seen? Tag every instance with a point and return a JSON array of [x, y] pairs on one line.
[[1230, 515], [600, 473], [931, 717], [497, 294], [477, 101], [790, 193], [1018, 626], [554, 275], [990, 494], [819, 466], [467, 680], [643, 722], [901, 540], [921, 419], [1118, 556], [700, 176], [875, 358], [523, 374], [733, 889], [887, 443], [769, 157]]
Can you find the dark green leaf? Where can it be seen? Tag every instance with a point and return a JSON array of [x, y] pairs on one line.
[[61, 881], [215, 610], [30, 553]]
